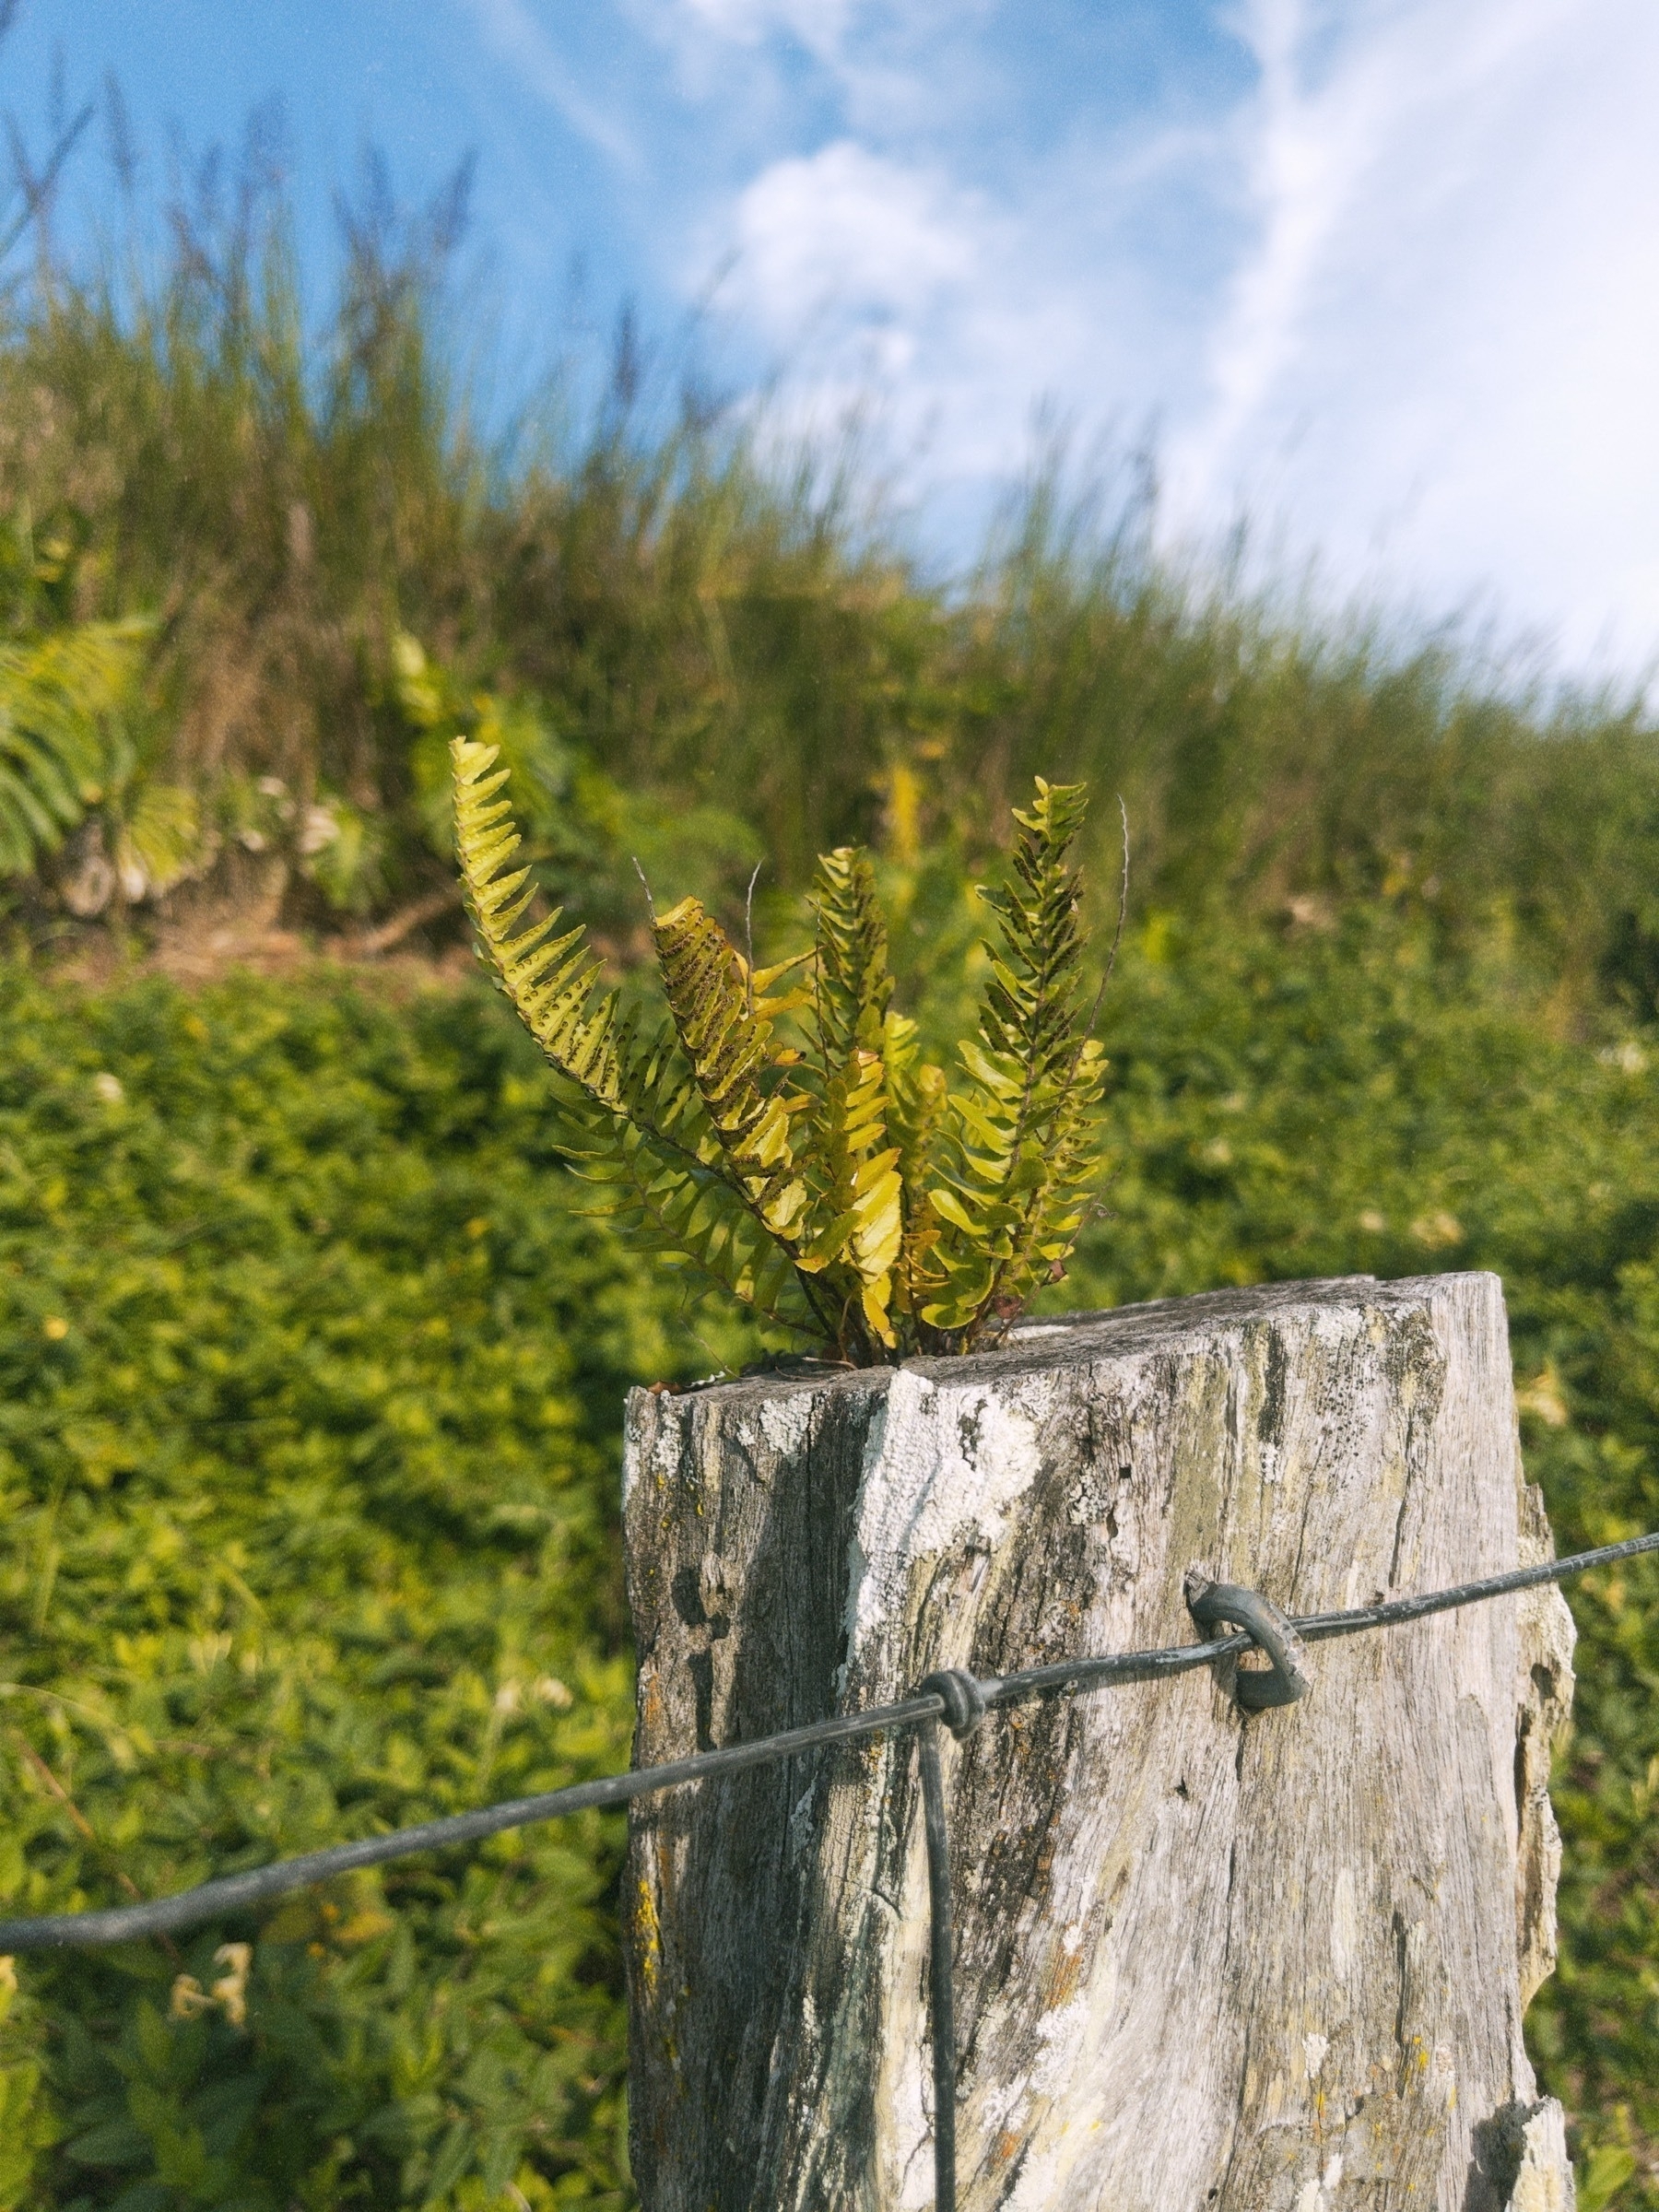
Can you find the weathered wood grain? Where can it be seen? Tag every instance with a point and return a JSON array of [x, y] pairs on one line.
[[1274, 1964]]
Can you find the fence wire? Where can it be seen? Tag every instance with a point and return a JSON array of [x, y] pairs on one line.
[[955, 1696]]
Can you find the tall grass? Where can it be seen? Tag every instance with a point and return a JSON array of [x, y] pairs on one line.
[[286, 498]]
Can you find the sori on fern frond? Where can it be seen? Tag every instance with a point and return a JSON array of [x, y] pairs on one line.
[[778, 1133]]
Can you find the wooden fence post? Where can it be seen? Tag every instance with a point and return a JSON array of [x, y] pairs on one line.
[[1205, 1962]]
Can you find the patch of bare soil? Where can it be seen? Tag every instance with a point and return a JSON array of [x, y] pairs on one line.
[[203, 947]]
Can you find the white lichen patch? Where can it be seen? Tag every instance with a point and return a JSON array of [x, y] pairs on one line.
[[944, 1468], [1319, 2196], [800, 1822], [1338, 1325], [1061, 2037], [662, 1460], [912, 2134], [786, 1422]]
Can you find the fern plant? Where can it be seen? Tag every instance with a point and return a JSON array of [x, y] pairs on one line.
[[779, 1134], [64, 699]]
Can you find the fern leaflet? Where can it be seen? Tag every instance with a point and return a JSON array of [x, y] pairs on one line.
[[63, 700]]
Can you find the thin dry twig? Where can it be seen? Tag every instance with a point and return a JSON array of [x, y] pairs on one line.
[[1117, 935], [83, 1826], [397, 926], [748, 940]]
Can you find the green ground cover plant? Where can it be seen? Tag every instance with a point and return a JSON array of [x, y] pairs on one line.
[[311, 1382], [308, 1465]]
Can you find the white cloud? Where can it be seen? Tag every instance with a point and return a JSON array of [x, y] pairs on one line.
[[889, 286], [850, 232], [848, 264], [1434, 362], [898, 69], [821, 25], [1384, 273]]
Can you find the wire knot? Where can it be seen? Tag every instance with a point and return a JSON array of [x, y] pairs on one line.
[[963, 1699], [1256, 1690]]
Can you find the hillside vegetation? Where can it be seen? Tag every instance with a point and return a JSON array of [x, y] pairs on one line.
[[323, 566], [312, 1370]]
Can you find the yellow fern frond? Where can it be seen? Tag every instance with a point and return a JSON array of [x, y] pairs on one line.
[[725, 1031], [552, 980], [637, 1125]]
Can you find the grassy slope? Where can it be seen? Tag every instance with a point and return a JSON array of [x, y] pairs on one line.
[[314, 1490], [702, 652]]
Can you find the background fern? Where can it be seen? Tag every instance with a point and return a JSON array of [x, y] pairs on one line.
[[65, 745]]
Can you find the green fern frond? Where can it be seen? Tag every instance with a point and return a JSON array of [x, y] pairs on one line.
[[853, 986], [690, 1217], [1031, 1014], [1019, 1145], [63, 700], [636, 1125]]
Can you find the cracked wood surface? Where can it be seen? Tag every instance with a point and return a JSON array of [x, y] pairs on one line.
[[1274, 1964]]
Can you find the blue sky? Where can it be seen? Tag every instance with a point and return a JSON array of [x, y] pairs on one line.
[[1382, 275]]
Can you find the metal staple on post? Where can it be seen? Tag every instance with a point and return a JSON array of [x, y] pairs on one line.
[[959, 1699], [1282, 1681]]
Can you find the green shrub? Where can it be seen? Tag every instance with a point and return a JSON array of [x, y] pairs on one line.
[[309, 1381]]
